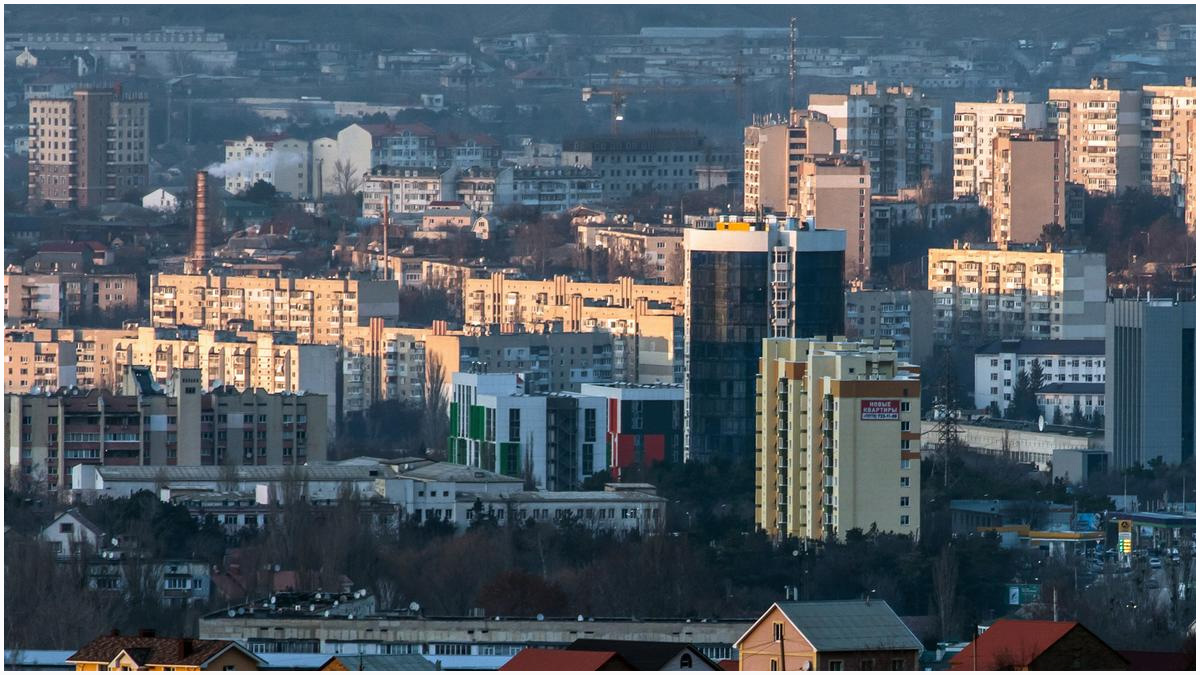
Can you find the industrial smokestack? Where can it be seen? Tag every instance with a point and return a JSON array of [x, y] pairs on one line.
[[199, 259]]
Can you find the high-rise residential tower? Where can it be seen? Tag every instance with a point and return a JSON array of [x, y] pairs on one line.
[[746, 281], [87, 149], [976, 126], [773, 149]]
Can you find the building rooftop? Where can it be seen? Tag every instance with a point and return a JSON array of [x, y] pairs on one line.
[[148, 650], [562, 660], [1093, 347], [849, 625]]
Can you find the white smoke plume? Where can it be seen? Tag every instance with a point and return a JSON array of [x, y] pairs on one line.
[[248, 166]]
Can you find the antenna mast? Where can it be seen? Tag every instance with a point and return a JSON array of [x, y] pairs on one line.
[[791, 65]]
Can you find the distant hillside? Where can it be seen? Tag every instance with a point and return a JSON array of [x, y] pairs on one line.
[[449, 26]]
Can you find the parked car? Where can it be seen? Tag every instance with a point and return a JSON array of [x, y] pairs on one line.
[[1155, 564]]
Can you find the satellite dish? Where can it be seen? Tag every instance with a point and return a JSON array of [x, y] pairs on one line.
[[541, 617], [1041, 422], [276, 567], [272, 599], [326, 614], [579, 618], [114, 541], [414, 606], [231, 613]]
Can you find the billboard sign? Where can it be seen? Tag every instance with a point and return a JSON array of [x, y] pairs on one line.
[[880, 409]]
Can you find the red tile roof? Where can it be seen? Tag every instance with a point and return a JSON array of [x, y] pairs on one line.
[[561, 659], [1009, 644], [729, 664], [152, 650]]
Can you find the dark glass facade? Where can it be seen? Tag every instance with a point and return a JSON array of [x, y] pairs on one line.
[[729, 315]]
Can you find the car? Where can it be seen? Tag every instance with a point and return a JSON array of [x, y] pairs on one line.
[[1155, 564]]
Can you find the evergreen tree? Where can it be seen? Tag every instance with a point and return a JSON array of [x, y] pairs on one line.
[[1058, 416], [1077, 418]]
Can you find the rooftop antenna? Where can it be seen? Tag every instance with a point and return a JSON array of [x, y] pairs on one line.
[[791, 65]]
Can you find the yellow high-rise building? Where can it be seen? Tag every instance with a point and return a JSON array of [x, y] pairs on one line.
[[839, 438]]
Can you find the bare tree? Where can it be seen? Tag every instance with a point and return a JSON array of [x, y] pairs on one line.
[[436, 427], [945, 591], [347, 181]]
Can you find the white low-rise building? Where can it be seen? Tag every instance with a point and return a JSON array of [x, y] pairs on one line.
[[160, 200], [1064, 362], [631, 507]]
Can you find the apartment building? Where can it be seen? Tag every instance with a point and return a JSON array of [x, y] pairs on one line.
[[835, 193], [557, 440], [747, 281], [381, 363], [839, 440], [1028, 187], [659, 249], [976, 127], [553, 189], [904, 317], [276, 159], [1168, 141], [88, 148], [897, 129], [629, 164], [644, 321], [773, 148], [545, 362], [511, 303], [147, 424], [983, 293], [316, 310], [58, 299], [38, 365], [364, 147], [1069, 364], [1099, 130], [271, 361], [645, 423], [406, 190], [1150, 388], [93, 348]]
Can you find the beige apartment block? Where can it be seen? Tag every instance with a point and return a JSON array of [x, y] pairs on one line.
[[644, 321], [834, 192], [56, 299], [896, 128], [146, 424], [773, 148], [1168, 142], [1100, 134], [510, 303], [983, 293], [838, 443], [37, 365], [88, 149], [976, 126], [660, 248], [1029, 186], [273, 362], [318, 310]]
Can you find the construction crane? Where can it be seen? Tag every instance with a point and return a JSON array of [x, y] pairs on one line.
[[618, 97], [737, 79]]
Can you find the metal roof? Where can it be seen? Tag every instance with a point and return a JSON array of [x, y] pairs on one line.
[[850, 625], [1085, 347], [244, 473]]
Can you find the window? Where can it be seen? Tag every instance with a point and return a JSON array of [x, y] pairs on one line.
[[777, 628], [904, 501], [905, 464], [903, 520], [685, 661], [903, 479], [66, 528], [836, 665], [904, 426], [866, 664], [774, 664]]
